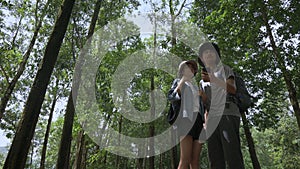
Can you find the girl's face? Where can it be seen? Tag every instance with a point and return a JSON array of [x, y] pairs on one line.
[[209, 57], [188, 71]]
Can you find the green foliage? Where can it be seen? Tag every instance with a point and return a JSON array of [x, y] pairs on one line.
[[278, 148], [111, 11], [54, 141], [2, 159]]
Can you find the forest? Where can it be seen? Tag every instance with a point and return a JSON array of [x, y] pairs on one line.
[[83, 83]]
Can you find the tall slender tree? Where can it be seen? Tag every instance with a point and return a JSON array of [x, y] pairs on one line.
[[63, 159], [251, 145], [17, 154], [46, 137]]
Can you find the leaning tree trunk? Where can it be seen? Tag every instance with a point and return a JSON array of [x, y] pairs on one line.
[[251, 146], [13, 82], [63, 159], [18, 151], [46, 138], [287, 76]]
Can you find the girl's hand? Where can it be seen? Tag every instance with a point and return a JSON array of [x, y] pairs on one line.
[[180, 83]]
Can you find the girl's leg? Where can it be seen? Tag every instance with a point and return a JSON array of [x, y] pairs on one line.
[[197, 147], [186, 145]]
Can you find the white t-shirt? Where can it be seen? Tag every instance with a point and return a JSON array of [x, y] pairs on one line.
[[218, 105]]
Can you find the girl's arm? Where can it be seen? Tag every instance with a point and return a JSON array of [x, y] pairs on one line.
[[173, 94]]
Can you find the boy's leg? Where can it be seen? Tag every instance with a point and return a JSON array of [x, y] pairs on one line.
[[231, 142], [215, 149]]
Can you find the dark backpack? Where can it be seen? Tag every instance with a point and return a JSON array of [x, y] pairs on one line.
[[243, 99], [173, 111], [172, 115]]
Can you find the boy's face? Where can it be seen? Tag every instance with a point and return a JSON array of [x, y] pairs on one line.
[[209, 57]]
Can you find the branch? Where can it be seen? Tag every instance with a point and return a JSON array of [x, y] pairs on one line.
[[16, 33], [171, 8], [5, 74], [182, 5], [36, 12]]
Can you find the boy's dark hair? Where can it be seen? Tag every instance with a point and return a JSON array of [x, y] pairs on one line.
[[208, 45]]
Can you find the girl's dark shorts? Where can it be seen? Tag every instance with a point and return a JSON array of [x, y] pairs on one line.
[[191, 128]]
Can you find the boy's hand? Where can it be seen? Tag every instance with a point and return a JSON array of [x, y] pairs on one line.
[[205, 76]]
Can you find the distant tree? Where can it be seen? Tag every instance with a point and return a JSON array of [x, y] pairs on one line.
[[13, 82]]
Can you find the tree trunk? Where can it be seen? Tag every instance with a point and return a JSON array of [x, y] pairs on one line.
[[151, 126], [16, 33], [18, 151], [151, 147], [78, 164], [119, 141], [173, 152], [105, 159], [254, 159], [65, 144], [161, 161], [63, 159], [12, 84], [44, 149], [84, 154], [281, 62], [139, 163]]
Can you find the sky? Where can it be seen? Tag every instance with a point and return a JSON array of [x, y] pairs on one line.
[[3, 140]]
